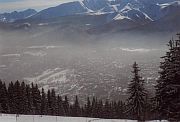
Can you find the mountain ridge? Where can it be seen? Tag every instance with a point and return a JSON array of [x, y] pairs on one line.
[[13, 16], [119, 14]]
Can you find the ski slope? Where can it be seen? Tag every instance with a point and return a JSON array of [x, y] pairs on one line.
[[31, 118]]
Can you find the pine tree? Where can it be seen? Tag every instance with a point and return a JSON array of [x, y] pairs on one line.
[[49, 102], [70, 111], [107, 110], [94, 107], [43, 103], [88, 108], [11, 100], [121, 110], [100, 109], [24, 100], [82, 112], [66, 106], [36, 96], [3, 98], [148, 108], [1, 111], [168, 85], [60, 109], [53, 102], [76, 108], [29, 100], [114, 111], [17, 97], [137, 93]]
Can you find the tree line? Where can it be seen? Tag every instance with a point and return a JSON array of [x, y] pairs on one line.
[[20, 98]]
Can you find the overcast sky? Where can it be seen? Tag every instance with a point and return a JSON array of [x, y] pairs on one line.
[[11, 5]]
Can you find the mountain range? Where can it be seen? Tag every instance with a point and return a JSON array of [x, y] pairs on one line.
[[106, 15]]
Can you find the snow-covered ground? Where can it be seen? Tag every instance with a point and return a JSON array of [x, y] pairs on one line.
[[31, 118]]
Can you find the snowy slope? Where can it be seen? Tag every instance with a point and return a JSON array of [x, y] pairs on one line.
[[30, 118], [65, 9], [95, 4], [53, 78]]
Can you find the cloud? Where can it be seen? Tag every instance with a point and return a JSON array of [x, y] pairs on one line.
[[12, 55], [136, 50], [11, 5]]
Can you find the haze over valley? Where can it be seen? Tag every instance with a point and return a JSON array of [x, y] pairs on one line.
[[87, 47]]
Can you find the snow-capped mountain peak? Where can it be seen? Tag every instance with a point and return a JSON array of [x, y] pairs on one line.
[[175, 3], [126, 8], [121, 17]]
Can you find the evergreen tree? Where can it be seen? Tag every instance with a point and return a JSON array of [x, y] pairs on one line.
[[148, 115], [24, 100], [60, 109], [1, 111], [53, 102], [49, 103], [36, 96], [3, 98], [70, 110], [66, 106], [88, 107], [121, 110], [137, 93], [94, 107], [29, 100], [82, 112], [107, 110], [168, 85], [113, 110], [100, 109], [17, 97], [76, 108], [11, 100], [43, 103]]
